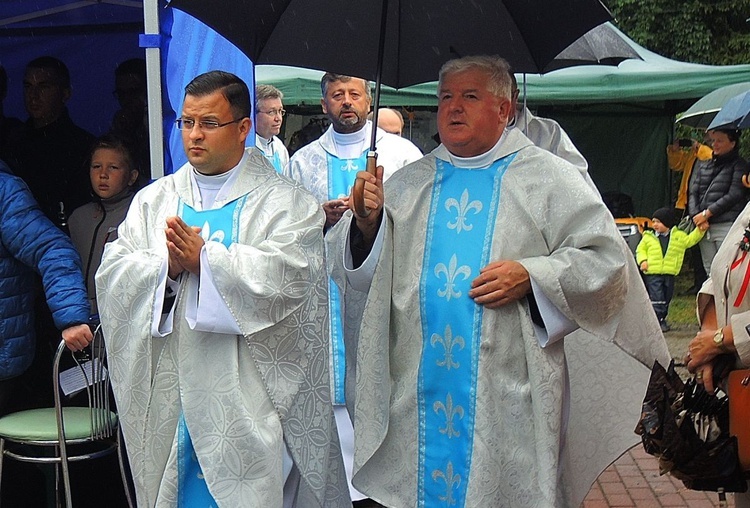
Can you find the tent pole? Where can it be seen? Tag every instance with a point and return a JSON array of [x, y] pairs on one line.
[[153, 81]]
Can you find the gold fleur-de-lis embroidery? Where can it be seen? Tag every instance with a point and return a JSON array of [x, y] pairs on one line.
[[450, 412], [208, 236], [449, 342], [452, 481], [452, 271], [462, 209]]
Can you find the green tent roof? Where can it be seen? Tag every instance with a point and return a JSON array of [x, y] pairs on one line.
[[655, 78]]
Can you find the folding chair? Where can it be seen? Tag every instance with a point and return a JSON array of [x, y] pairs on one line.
[[44, 435]]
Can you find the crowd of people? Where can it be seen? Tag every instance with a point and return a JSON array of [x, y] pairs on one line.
[[270, 344]]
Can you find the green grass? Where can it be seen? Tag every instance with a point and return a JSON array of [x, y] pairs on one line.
[[682, 308]]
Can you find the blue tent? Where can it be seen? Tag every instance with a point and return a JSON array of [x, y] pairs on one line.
[[90, 37], [93, 36]]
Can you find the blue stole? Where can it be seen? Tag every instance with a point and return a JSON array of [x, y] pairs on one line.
[[342, 173], [192, 490], [218, 225], [275, 160], [458, 242]]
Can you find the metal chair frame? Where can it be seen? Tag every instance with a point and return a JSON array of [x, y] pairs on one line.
[[104, 425]]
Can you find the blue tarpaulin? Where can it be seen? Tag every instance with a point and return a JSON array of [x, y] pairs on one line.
[[92, 38]]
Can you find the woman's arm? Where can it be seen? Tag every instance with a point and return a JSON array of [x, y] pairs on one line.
[[710, 342]]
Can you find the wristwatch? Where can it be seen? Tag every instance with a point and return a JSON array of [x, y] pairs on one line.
[[719, 339]]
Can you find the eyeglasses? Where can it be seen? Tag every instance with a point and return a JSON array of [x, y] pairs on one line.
[[274, 112], [187, 124]]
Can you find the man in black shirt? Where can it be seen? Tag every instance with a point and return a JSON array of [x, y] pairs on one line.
[[50, 152]]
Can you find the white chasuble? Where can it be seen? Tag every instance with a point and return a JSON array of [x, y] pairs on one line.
[[544, 421], [244, 397]]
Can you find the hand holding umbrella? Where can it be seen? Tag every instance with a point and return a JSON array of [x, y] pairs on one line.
[[358, 200], [372, 198]]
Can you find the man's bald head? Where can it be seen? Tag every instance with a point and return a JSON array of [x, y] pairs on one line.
[[390, 120]]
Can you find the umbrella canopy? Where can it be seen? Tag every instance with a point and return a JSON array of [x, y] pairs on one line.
[[701, 114], [342, 36], [602, 45], [734, 114]]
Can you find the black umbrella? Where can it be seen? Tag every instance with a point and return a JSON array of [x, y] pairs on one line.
[[687, 429], [343, 36], [602, 45], [400, 43]]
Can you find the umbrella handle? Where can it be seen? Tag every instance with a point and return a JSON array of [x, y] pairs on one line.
[[745, 181], [358, 192]]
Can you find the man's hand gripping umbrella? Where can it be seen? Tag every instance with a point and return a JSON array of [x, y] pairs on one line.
[[367, 197]]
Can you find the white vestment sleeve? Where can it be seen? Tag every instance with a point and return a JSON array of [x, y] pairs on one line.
[[360, 278], [556, 324], [161, 325], [206, 310]]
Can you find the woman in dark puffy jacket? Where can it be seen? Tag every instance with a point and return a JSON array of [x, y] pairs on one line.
[[717, 195]]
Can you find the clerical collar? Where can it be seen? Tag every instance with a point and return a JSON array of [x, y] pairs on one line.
[[213, 188], [351, 145], [266, 145], [481, 161]]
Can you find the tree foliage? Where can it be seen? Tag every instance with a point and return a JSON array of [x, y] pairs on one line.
[[713, 32]]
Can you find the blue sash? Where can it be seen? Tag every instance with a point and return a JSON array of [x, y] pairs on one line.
[[458, 242], [218, 225], [275, 160], [342, 173], [192, 491]]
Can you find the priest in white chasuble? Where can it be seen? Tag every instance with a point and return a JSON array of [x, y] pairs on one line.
[[213, 303], [488, 296]]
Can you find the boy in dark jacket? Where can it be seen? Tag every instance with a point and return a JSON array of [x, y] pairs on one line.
[[659, 255]]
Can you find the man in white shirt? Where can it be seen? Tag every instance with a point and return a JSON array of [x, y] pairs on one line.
[[269, 115]]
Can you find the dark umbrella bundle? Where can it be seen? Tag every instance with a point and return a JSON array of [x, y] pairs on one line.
[[687, 429]]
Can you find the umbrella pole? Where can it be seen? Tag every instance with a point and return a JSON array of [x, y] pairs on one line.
[[358, 191]]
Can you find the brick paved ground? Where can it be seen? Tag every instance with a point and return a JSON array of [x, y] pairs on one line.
[[634, 480]]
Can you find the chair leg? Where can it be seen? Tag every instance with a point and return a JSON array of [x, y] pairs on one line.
[[58, 479], [123, 476], [65, 475]]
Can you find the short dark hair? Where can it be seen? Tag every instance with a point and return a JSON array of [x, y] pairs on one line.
[[330, 77], [233, 89], [132, 67], [57, 67], [733, 135]]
